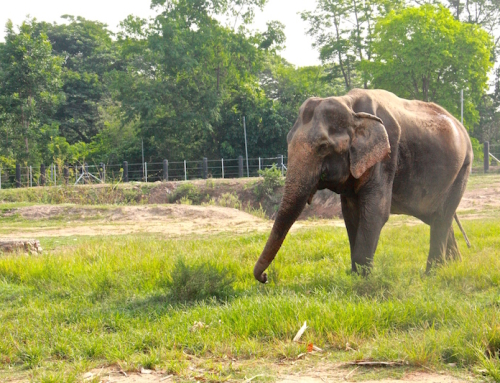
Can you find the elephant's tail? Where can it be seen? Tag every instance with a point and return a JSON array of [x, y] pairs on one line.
[[463, 231]]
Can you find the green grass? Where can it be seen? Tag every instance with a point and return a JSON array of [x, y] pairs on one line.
[[106, 301]]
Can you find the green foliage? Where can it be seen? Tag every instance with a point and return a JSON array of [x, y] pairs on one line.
[[271, 180], [344, 31], [191, 283], [89, 56], [30, 82], [186, 192], [229, 200], [182, 82], [424, 53]]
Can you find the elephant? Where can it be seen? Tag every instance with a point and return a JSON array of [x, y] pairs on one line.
[[382, 154]]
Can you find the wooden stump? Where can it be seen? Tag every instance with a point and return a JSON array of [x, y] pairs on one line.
[[31, 246]]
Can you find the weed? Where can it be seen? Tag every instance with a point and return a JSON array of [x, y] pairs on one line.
[[188, 191], [185, 201], [210, 184], [271, 180], [229, 200], [259, 213], [199, 282]]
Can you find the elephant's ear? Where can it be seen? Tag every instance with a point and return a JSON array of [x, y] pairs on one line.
[[369, 145]]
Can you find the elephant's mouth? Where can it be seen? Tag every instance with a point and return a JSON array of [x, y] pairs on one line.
[[311, 196]]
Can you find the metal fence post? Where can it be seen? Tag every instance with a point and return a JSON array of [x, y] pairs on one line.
[[55, 175], [66, 174], [101, 172], [486, 156], [280, 163], [259, 165], [165, 170], [18, 175], [31, 177], [42, 175], [222, 159], [240, 166], [146, 170], [125, 171], [185, 171], [205, 168]]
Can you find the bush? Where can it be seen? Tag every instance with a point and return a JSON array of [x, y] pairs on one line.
[[184, 192], [229, 200], [271, 180], [199, 282]]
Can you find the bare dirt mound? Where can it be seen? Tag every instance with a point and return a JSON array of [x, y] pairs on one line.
[[168, 220]]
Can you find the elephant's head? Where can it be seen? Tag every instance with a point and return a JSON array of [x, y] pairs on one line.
[[329, 146]]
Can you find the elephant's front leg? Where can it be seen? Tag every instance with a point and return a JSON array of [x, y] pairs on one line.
[[373, 210], [350, 212]]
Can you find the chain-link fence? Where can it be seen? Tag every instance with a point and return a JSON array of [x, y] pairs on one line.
[[81, 174]]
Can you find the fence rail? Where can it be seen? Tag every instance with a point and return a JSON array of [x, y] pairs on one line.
[[491, 154], [52, 175]]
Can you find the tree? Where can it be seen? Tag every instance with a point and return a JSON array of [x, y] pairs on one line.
[[185, 74], [424, 53], [343, 30], [89, 55], [30, 82]]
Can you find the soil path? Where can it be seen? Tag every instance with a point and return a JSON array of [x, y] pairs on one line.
[[167, 220], [480, 201]]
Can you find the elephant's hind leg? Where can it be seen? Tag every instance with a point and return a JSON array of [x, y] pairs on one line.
[[443, 243], [452, 251], [440, 230]]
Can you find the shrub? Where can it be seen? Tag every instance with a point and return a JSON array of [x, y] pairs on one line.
[[199, 282], [185, 201], [271, 180], [229, 200], [186, 191]]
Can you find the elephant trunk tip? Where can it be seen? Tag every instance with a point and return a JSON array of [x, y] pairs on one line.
[[260, 275], [262, 278]]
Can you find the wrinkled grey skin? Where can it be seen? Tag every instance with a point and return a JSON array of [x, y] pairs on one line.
[[383, 155]]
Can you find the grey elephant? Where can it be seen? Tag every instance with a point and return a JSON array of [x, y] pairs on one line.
[[383, 155]]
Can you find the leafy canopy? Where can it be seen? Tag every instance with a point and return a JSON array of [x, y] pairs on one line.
[[424, 53]]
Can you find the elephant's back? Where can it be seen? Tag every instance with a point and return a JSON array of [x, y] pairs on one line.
[[433, 149]]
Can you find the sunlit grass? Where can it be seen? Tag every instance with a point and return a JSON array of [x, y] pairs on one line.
[[105, 301]]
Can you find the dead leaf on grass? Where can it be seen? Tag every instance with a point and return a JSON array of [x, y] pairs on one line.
[[300, 332], [198, 326]]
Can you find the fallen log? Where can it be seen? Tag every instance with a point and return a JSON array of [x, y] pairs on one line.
[[31, 246]]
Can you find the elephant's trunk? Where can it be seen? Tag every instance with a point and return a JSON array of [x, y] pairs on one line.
[[300, 181]]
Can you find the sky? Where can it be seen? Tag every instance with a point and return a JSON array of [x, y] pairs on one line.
[[298, 49]]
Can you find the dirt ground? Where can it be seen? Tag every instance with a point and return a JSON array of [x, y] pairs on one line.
[[281, 374], [169, 220], [176, 220]]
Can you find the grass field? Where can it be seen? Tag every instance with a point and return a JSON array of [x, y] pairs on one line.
[[120, 301]]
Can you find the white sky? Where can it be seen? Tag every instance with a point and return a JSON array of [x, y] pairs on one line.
[[298, 46]]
